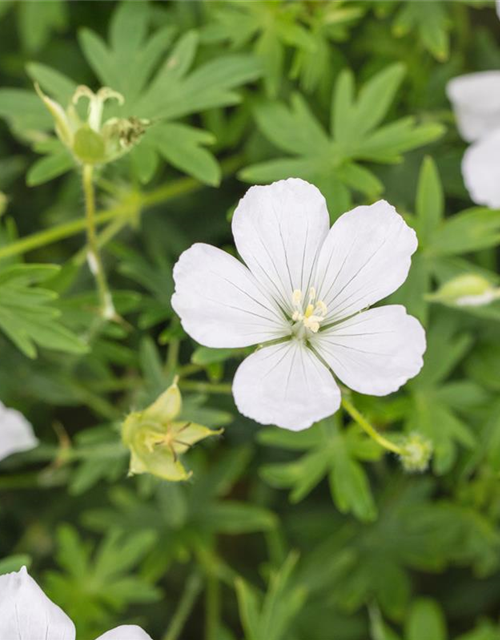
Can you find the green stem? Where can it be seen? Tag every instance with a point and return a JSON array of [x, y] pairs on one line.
[[212, 607], [205, 387], [369, 429], [167, 192], [184, 608], [93, 256]]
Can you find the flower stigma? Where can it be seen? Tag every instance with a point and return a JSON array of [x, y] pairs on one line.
[[308, 317]]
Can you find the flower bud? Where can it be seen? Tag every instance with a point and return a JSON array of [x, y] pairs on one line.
[[157, 439], [91, 141], [416, 453], [467, 290]]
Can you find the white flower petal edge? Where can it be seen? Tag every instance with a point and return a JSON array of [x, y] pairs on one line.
[[285, 385], [481, 171], [366, 257], [126, 632], [16, 433], [278, 230], [27, 614], [374, 352], [220, 303], [476, 101]]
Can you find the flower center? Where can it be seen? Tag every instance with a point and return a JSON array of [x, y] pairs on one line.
[[307, 316]]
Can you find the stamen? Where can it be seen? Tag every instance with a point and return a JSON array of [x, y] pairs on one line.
[[313, 315]]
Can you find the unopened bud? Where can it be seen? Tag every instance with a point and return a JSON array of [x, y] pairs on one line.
[[467, 290]]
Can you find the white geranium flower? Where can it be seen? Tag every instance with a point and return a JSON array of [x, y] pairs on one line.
[[476, 102], [16, 433], [303, 295], [481, 170], [27, 614]]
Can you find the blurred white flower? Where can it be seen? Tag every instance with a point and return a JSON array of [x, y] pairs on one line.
[[27, 614], [481, 170], [16, 433], [303, 296], [475, 98]]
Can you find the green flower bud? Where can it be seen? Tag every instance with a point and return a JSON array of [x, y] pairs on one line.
[[91, 141], [467, 290], [416, 453], [157, 439]]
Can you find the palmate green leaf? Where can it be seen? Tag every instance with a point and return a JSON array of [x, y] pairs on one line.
[[271, 27], [96, 581], [356, 563], [331, 160], [155, 88], [441, 242], [331, 452], [27, 312], [434, 410], [270, 616], [431, 23], [181, 146], [39, 20]]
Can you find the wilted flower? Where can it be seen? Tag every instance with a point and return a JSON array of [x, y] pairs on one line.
[[157, 438], [467, 290], [476, 101], [16, 433], [27, 614], [91, 141], [303, 295]]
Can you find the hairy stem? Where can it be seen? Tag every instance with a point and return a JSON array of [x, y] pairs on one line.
[[369, 429], [93, 255], [165, 193]]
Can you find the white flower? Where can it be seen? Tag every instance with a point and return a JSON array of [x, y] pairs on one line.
[[303, 294], [27, 614], [16, 433], [476, 101], [481, 170]]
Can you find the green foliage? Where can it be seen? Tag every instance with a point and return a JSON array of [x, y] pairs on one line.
[[94, 581], [276, 535], [332, 161], [27, 313]]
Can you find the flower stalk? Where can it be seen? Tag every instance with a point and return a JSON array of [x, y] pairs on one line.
[[369, 429], [107, 308]]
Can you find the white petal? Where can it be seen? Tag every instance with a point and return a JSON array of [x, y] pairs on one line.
[[366, 257], [374, 352], [285, 385], [27, 614], [126, 632], [16, 433], [476, 101], [278, 231], [498, 7], [481, 171], [220, 303]]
